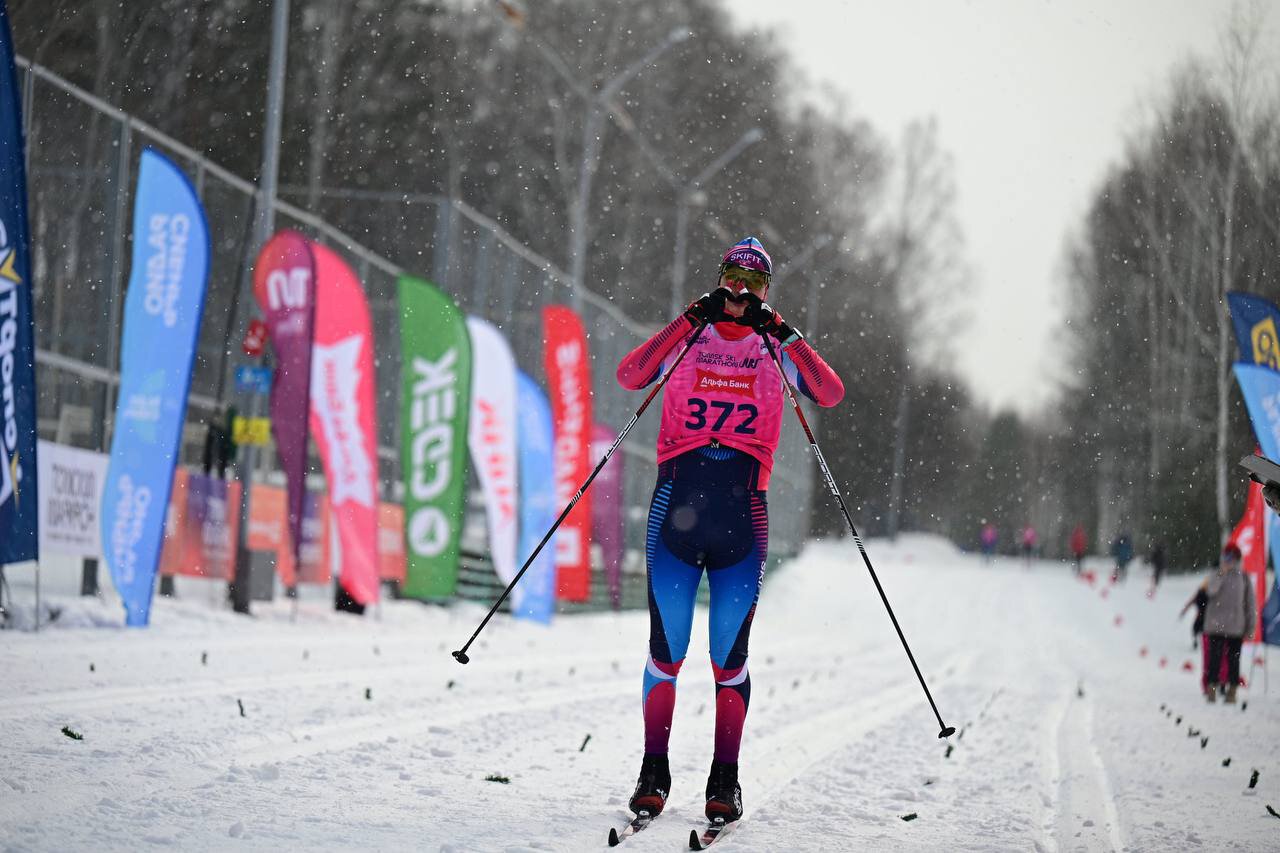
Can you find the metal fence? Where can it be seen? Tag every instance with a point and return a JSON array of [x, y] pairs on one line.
[[82, 160]]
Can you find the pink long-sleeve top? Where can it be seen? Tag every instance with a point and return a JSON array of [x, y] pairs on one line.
[[727, 389]]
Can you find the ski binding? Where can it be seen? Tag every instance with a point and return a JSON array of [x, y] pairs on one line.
[[716, 829], [641, 821]]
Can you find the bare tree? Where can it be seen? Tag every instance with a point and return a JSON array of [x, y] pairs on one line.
[[1184, 219], [925, 264]]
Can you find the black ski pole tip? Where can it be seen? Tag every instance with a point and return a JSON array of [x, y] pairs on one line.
[[461, 657], [947, 731]]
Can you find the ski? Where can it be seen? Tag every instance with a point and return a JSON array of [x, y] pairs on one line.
[[641, 821], [718, 828]]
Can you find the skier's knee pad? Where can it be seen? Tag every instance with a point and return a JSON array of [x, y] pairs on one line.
[[656, 673], [738, 680], [729, 677]]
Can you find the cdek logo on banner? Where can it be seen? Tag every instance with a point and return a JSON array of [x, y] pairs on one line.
[[433, 411]]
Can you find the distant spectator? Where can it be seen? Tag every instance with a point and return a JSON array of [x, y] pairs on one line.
[[1122, 553], [989, 536], [1078, 545], [1029, 540], [1156, 558], [1228, 619], [1199, 599]]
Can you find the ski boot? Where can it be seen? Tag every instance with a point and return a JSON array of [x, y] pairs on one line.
[[1211, 693], [724, 795], [1231, 694], [653, 786]]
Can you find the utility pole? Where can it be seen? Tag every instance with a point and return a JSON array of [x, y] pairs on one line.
[[900, 422], [806, 255], [812, 314], [684, 196], [592, 137], [598, 107], [263, 223], [600, 104]]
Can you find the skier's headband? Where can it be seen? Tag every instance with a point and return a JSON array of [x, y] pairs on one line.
[[750, 258], [1231, 552]]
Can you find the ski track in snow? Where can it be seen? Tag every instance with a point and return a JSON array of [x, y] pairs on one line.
[[1061, 743], [1086, 817]]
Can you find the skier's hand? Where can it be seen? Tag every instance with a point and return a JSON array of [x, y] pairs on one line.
[[709, 307], [760, 316]]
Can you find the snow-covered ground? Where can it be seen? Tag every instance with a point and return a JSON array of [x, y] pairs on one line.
[[366, 733]]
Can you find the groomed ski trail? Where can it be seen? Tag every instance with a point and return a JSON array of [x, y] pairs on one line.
[[840, 743]]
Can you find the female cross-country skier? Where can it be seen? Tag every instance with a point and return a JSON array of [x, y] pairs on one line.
[[722, 414]]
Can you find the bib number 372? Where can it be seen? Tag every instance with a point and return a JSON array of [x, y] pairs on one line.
[[717, 413]]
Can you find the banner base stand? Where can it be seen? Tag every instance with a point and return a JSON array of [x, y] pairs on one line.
[[344, 603], [89, 576]]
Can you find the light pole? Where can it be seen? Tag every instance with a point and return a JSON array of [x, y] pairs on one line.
[[263, 222], [806, 255], [811, 311], [598, 105], [684, 195], [592, 132]]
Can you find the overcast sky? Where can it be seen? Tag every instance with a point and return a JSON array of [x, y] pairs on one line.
[[1034, 99]]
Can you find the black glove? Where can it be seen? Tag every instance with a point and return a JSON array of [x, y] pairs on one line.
[[760, 316], [708, 308], [1271, 494]]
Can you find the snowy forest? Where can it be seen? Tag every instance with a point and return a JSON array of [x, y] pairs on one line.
[[1190, 212], [535, 116]]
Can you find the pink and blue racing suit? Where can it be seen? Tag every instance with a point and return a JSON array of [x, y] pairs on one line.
[[722, 415]]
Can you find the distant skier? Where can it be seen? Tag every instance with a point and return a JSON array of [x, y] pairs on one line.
[[1199, 600], [1079, 544], [722, 415], [1029, 541], [1122, 553], [1157, 560], [989, 537]]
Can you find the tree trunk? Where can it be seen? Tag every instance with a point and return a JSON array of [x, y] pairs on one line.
[[1220, 456], [1225, 278], [899, 457], [1155, 407], [335, 22], [1108, 525]]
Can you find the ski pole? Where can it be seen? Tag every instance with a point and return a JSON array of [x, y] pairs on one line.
[[461, 654], [946, 731]]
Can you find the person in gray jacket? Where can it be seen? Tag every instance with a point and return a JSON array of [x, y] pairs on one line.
[[1228, 619]]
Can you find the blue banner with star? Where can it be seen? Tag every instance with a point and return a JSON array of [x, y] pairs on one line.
[[162, 311], [1257, 325], [1260, 387], [18, 517]]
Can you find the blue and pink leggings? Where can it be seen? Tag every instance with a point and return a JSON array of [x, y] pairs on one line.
[[706, 514]]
